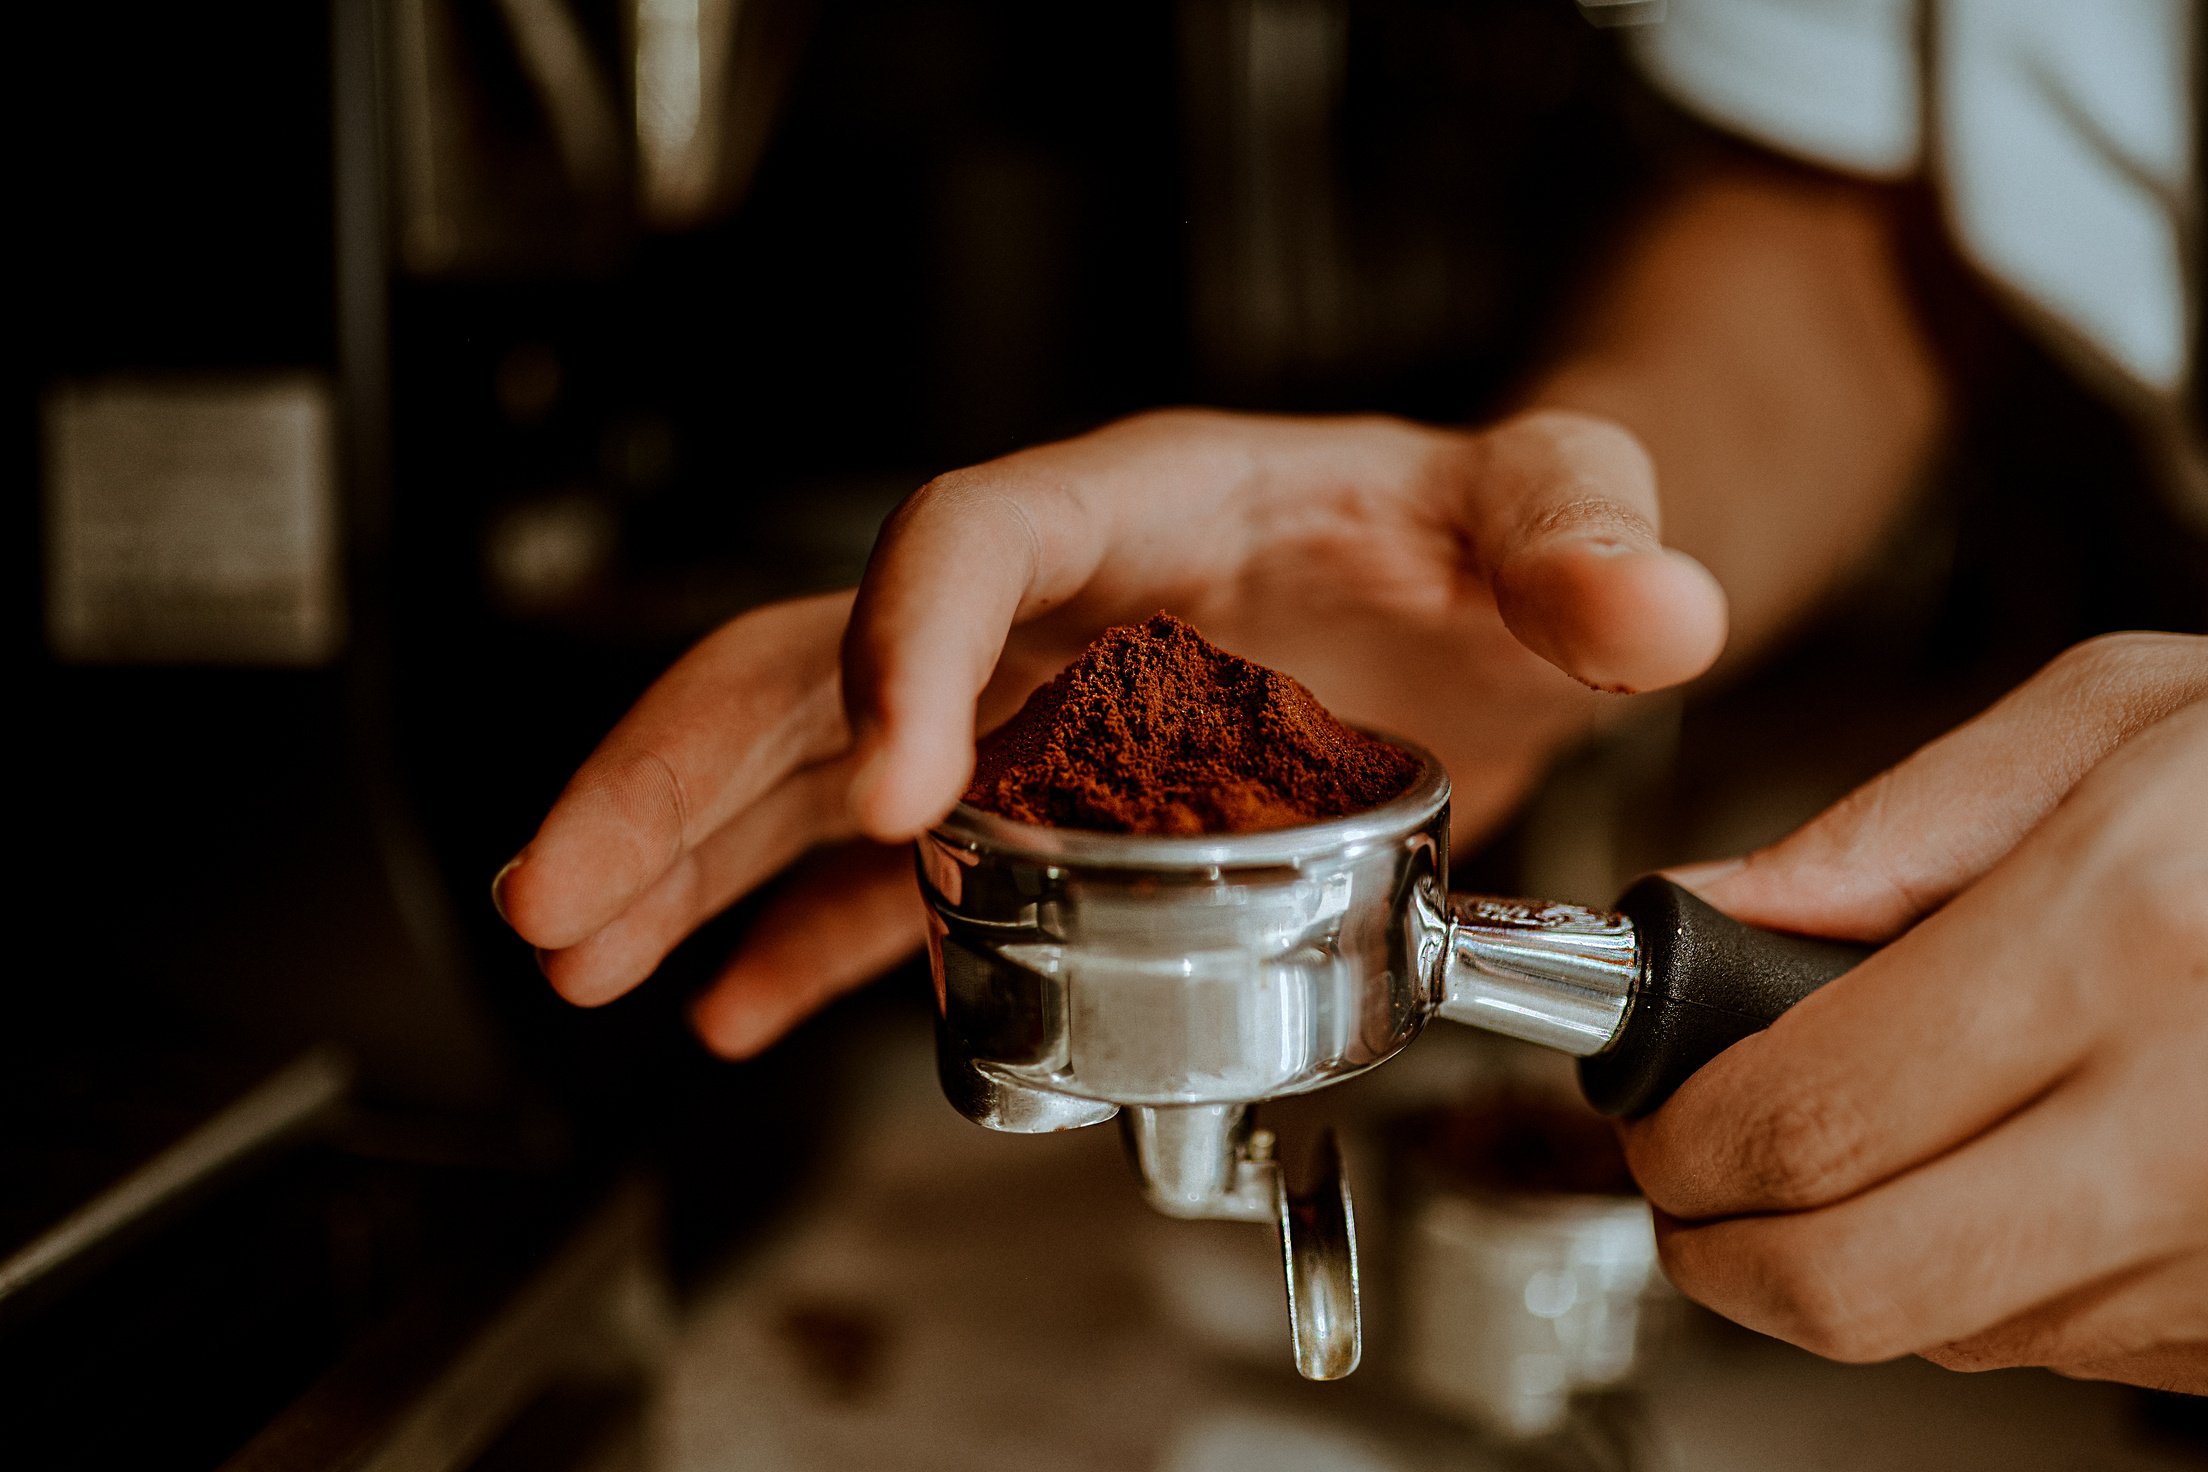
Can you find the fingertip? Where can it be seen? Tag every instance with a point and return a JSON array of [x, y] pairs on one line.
[[522, 893], [730, 1020], [901, 791], [1613, 612], [1702, 618], [529, 903], [579, 982], [498, 886]]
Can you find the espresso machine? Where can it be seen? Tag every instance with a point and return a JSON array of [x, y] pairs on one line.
[[1179, 982]]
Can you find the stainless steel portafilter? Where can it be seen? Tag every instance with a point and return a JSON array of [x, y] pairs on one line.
[[1177, 982]]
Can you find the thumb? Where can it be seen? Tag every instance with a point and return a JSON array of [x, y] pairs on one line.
[[1564, 520], [1909, 840]]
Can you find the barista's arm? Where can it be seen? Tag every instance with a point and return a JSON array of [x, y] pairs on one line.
[[1759, 339]]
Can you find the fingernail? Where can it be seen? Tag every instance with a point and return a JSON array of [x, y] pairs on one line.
[[1698, 877], [1600, 544], [498, 887]]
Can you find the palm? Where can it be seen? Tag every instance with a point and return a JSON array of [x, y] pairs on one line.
[[1400, 572], [1361, 592]]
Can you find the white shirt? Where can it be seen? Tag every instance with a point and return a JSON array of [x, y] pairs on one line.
[[2058, 132]]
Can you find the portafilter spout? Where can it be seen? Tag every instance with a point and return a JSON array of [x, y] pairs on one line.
[[1180, 981], [1210, 1162]]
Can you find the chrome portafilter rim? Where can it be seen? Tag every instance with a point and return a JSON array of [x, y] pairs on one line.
[[967, 826], [1030, 1038]]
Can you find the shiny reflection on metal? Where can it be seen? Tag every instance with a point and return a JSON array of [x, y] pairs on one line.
[[1149, 971], [1010, 1107], [1208, 1162], [1202, 1161], [1318, 1254], [1623, 12], [289, 1101], [1181, 980], [1557, 975]]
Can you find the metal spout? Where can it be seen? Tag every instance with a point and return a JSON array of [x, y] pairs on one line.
[[1202, 1161], [1210, 1161]]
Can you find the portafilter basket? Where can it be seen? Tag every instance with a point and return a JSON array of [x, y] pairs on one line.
[[1179, 981]]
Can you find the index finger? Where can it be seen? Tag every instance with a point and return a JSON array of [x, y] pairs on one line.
[[956, 567], [754, 701], [1911, 838]]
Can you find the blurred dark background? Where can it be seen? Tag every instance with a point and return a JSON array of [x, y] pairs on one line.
[[399, 384]]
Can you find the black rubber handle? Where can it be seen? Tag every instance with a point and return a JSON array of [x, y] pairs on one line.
[[1706, 982]]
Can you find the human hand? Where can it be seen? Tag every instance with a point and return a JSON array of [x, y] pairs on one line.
[[1462, 589], [1988, 1143]]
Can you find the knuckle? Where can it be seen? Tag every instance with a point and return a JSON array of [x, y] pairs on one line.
[[1855, 837], [1788, 1280], [1587, 509], [2140, 865], [2108, 655], [1569, 432], [1871, 855], [1816, 1307], [1595, 470], [1808, 1149], [2143, 676], [939, 493], [638, 810], [972, 499], [2171, 900]]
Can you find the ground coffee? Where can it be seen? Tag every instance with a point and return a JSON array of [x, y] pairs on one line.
[[1154, 730]]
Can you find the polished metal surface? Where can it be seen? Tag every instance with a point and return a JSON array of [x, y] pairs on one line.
[[1180, 981], [1202, 1161], [998, 1103], [292, 1100], [1557, 975], [1210, 1162], [1183, 980], [1134, 970], [1318, 1254]]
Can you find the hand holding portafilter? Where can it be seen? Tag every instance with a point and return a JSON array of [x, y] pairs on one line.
[[1182, 980], [1704, 982]]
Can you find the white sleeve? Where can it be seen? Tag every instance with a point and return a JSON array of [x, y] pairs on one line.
[[1834, 82]]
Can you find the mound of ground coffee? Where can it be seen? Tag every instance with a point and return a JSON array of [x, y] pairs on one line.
[[1154, 730]]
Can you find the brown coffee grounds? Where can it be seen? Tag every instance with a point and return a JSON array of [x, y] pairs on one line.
[[1154, 730]]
